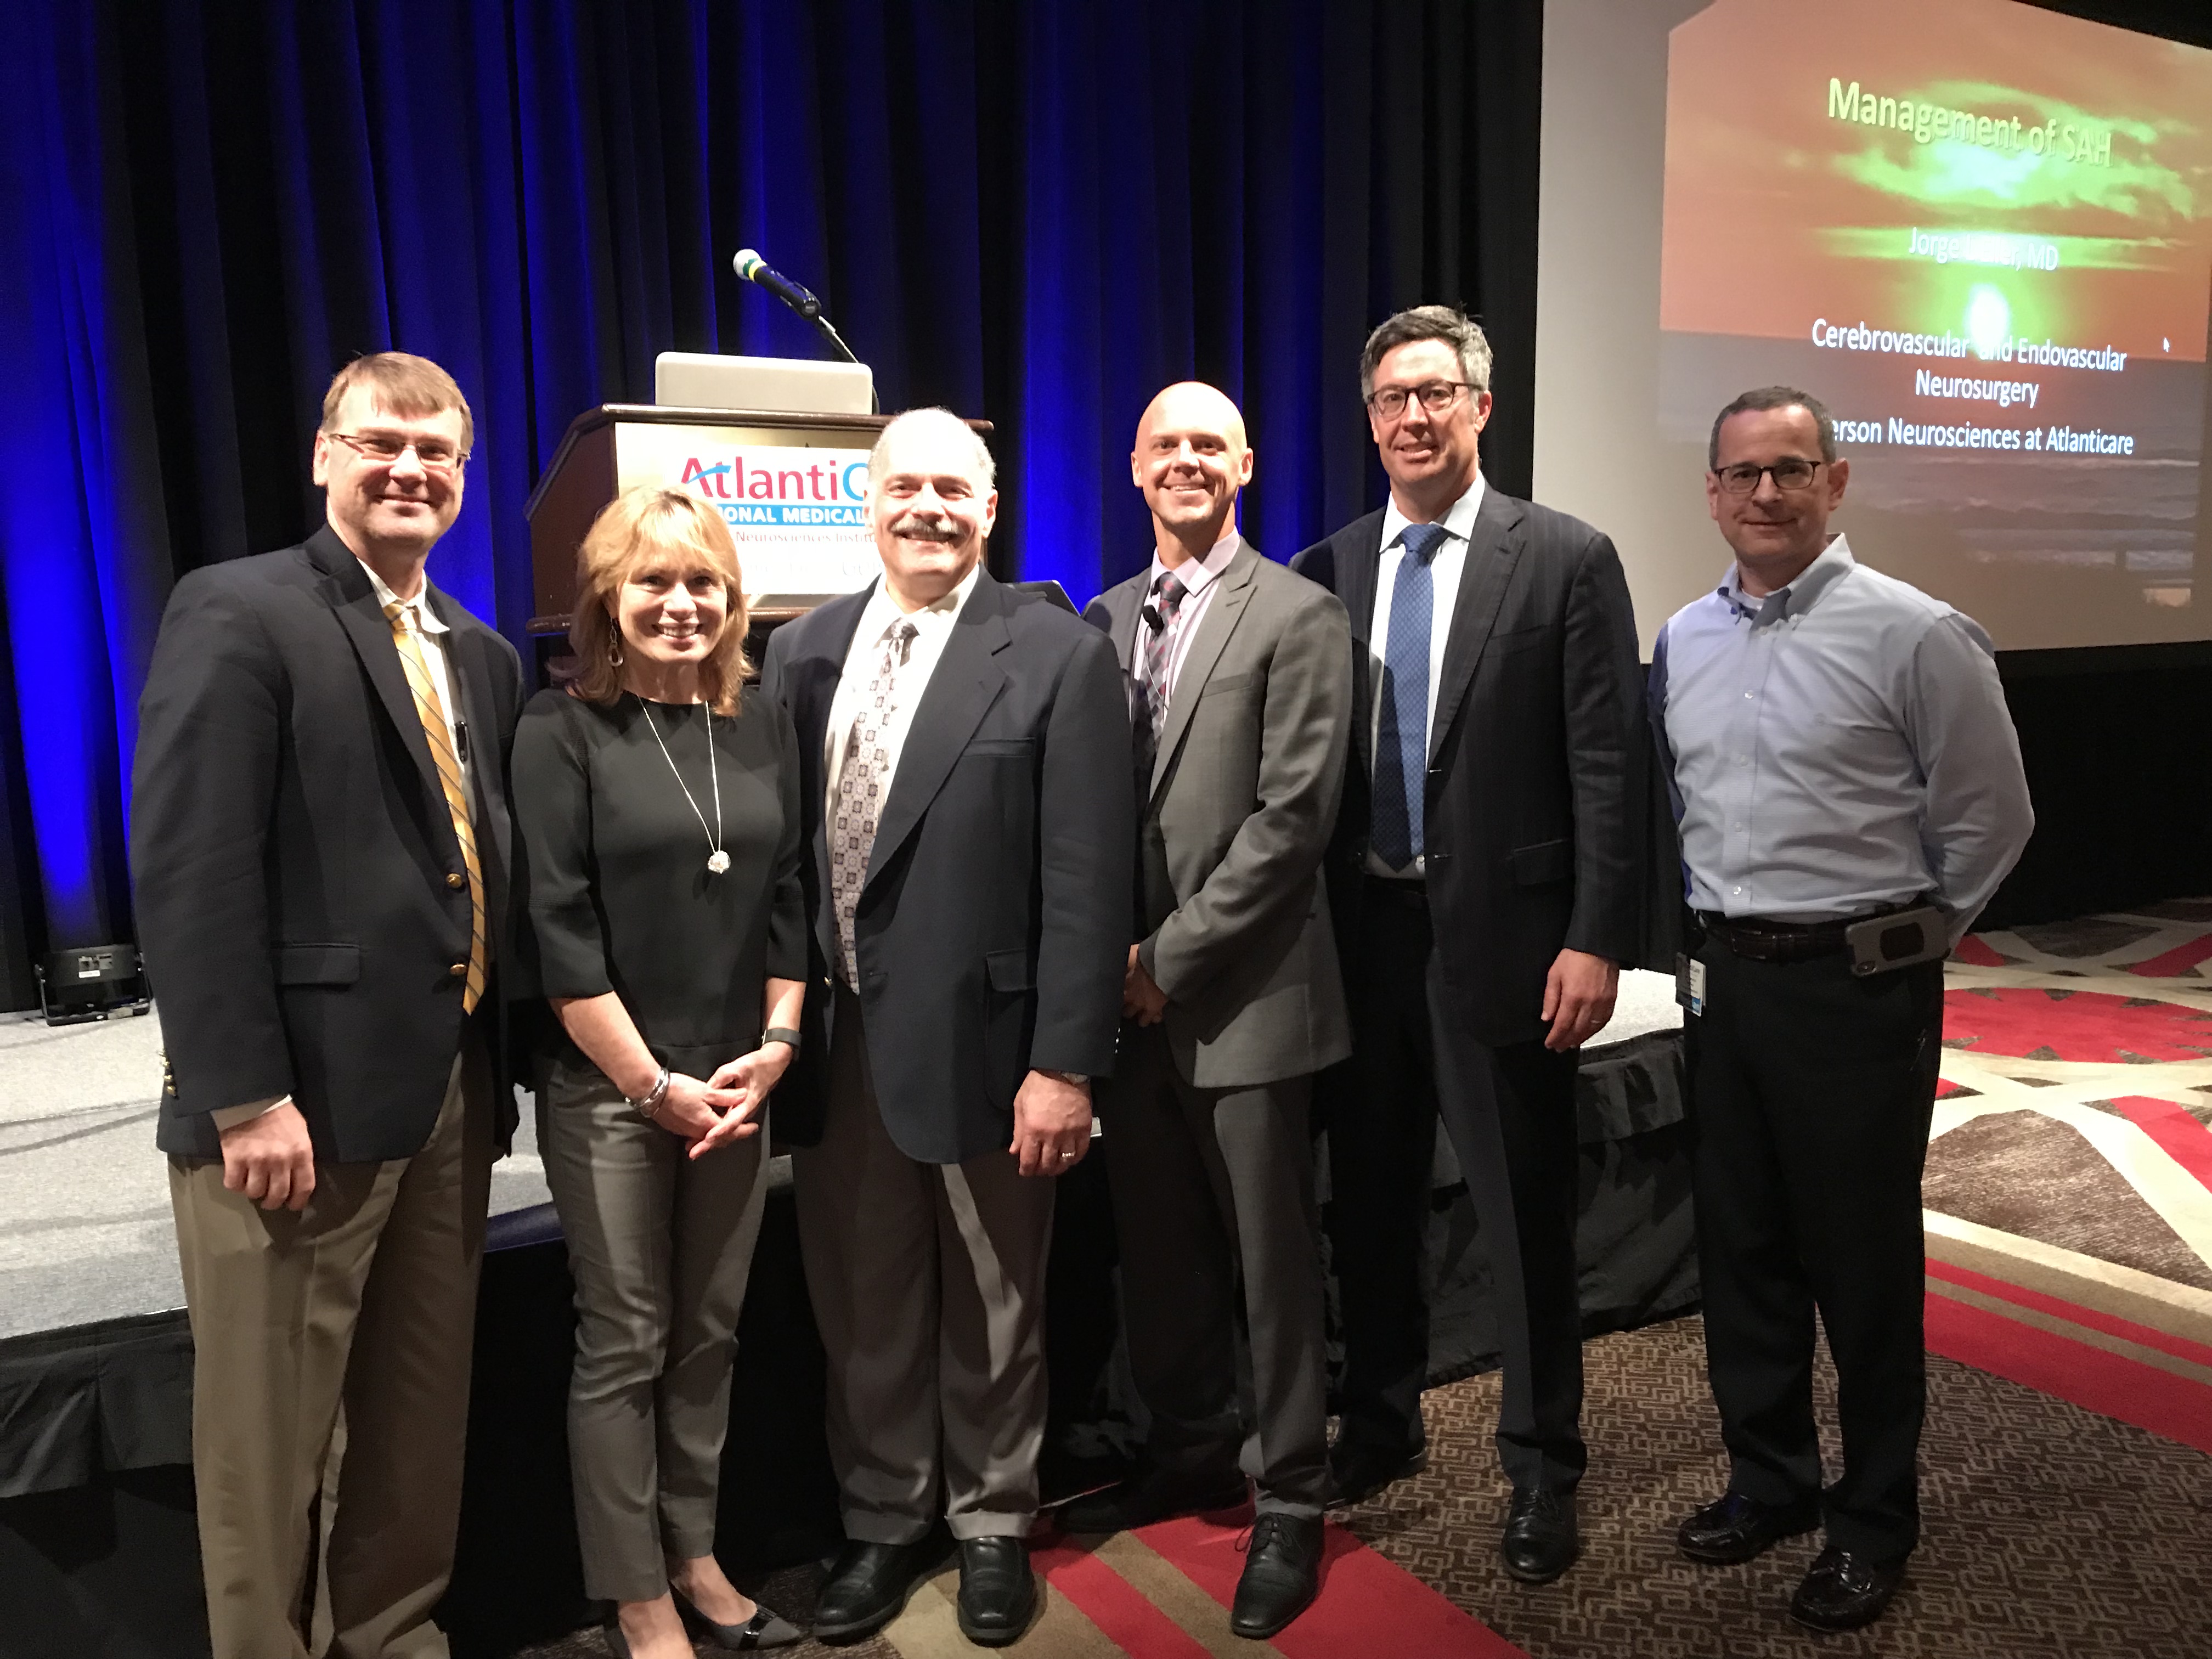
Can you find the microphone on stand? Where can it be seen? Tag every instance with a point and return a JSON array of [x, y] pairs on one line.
[[750, 266], [748, 263]]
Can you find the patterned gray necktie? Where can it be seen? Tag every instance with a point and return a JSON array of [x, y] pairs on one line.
[[1159, 650], [1162, 615], [861, 785]]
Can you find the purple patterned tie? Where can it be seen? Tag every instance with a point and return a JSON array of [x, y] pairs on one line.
[[1168, 595], [1153, 679], [861, 785]]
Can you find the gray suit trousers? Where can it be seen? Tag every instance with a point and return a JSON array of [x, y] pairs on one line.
[[1214, 1189], [660, 1244], [927, 1281]]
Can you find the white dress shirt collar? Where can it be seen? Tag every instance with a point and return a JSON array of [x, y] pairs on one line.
[[1458, 519], [934, 618], [1196, 575], [1198, 578], [421, 620], [425, 620], [933, 625]]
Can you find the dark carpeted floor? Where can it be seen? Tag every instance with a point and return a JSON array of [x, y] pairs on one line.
[[2048, 1530]]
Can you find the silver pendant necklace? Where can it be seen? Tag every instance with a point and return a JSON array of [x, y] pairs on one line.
[[717, 859]]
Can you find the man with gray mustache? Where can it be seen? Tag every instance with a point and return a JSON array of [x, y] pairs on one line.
[[965, 751]]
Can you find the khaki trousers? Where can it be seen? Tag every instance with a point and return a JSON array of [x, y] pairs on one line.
[[660, 1244], [927, 1282], [366, 1300]]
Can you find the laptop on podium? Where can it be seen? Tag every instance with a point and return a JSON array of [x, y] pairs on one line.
[[794, 385]]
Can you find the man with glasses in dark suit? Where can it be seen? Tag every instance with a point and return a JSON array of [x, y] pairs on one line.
[[1484, 880], [320, 842]]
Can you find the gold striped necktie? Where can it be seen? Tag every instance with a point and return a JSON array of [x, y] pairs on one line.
[[432, 713]]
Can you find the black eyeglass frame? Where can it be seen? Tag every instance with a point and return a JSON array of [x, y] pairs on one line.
[[1743, 478], [1406, 394]]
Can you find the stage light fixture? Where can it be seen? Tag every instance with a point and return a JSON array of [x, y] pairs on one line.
[[92, 981]]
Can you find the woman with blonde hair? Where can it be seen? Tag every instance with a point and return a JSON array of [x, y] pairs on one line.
[[658, 808]]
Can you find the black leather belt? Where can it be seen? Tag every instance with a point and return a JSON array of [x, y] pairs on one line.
[[1410, 895], [1762, 938]]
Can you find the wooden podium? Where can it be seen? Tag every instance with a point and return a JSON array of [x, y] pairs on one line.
[[793, 489]]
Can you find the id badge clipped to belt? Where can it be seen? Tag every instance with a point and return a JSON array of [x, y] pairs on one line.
[[1690, 983]]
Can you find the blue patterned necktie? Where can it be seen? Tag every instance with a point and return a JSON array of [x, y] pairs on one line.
[[1401, 733]]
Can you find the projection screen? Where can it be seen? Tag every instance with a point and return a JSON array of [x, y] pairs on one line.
[[1980, 232]]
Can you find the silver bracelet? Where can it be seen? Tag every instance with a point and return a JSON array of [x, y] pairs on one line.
[[647, 1105]]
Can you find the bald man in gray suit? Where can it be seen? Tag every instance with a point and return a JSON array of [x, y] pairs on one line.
[[1240, 699]]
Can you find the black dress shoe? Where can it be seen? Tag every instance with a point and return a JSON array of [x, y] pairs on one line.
[[762, 1630], [1152, 1494], [1281, 1576], [1540, 1541], [1356, 1473], [868, 1586], [1843, 1591], [1737, 1528], [997, 1593]]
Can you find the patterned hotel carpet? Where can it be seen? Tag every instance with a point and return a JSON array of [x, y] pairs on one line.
[[2049, 1531], [2076, 1122], [2077, 1089]]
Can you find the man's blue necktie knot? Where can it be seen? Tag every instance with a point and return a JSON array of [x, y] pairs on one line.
[[1421, 541]]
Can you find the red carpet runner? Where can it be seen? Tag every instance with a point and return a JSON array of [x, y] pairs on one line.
[[2070, 1229], [2093, 1359], [1163, 1592]]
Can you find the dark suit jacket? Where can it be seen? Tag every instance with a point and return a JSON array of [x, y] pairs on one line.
[[1232, 915], [1536, 792], [993, 928], [293, 854]]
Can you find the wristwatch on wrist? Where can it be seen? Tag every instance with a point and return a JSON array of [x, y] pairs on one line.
[[779, 1034], [647, 1105], [1078, 1079]]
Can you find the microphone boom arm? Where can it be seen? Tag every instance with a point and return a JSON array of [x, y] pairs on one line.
[[753, 269]]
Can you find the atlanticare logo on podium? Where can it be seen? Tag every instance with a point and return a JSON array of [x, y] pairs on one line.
[[772, 488]]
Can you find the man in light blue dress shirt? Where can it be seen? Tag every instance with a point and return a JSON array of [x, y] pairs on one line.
[[1839, 750]]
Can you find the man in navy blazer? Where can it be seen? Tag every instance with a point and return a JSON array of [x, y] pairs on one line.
[[320, 843], [965, 764], [1485, 888]]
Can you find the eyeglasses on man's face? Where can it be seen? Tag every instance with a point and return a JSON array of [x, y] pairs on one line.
[[1791, 472], [1436, 395], [384, 448]]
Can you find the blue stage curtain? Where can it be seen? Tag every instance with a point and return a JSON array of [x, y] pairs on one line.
[[1037, 213]]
